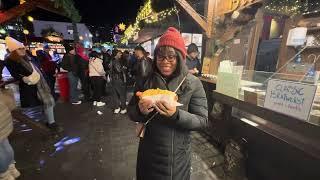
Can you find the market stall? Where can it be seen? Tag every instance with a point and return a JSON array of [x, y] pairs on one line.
[[56, 49], [262, 82]]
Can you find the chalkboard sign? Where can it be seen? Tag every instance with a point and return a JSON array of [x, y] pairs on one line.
[[291, 98]]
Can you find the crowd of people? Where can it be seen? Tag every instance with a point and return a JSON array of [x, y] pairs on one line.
[[95, 70], [173, 68]]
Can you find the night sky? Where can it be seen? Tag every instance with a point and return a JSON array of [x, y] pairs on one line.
[[108, 12]]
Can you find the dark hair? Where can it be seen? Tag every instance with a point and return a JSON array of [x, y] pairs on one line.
[[115, 52], [94, 54], [40, 53], [46, 46], [14, 56], [67, 47], [192, 48], [140, 48]]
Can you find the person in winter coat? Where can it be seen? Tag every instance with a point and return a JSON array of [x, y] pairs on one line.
[[106, 56], [33, 88], [165, 150], [118, 80], [143, 66], [7, 163], [193, 62], [83, 61], [69, 63], [97, 75], [48, 68]]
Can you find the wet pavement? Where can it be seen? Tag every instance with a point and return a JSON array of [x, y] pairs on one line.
[[95, 146]]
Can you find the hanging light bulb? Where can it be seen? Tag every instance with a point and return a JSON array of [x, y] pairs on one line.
[[25, 31], [2, 31], [30, 18]]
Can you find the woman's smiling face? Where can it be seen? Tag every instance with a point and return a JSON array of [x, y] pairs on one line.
[[166, 60]]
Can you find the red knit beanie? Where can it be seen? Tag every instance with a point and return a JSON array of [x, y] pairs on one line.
[[173, 38]]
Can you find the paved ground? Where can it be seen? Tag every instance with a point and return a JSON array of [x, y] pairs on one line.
[[106, 148]]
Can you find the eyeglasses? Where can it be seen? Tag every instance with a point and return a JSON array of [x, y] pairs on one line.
[[169, 58]]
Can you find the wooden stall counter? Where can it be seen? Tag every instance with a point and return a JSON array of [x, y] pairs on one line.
[[277, 144], [208, 80]]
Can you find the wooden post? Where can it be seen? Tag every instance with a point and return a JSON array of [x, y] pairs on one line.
[[254, 40], [283, 51], [189, 9]]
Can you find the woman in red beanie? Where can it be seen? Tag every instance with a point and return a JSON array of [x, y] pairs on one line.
[[165, 150]]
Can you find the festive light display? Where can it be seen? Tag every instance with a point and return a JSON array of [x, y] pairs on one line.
[[288, 7], [69, 8], [293, 7], [122, 26], [311, 8], [26, 32], [146, 15], [30, 18]]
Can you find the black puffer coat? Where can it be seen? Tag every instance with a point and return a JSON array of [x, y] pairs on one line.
[[165, 151], [28, 93]]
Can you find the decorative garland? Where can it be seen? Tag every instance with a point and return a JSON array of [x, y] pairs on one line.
[[148, 16], [293, 7], [69, 8]]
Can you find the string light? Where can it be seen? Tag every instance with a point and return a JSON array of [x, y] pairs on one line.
[[30, 18], [26, 32], [122, 26], [292, 7], [3, 31], [148, 16]]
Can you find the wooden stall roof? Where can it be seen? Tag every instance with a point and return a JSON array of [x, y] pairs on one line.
[[148, 33], [29, 6]]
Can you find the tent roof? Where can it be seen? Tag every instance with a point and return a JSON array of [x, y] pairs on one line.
[[29, 6]]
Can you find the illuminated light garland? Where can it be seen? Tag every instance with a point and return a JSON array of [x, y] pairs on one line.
[[122, 26], [148, 16], [290, 7]]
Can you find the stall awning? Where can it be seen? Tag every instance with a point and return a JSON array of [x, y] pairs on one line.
[[28, 6], [148, 33]]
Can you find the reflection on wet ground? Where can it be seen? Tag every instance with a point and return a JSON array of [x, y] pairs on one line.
[[95, 146]]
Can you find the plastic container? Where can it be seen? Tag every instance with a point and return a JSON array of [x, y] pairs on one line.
[[63, 83]]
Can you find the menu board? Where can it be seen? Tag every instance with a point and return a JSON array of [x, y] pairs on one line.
[[291, 98]]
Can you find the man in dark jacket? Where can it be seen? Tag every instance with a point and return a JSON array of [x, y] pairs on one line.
[[106, 57], [70, 64], [48, 68], [119, 79], [193, 62], [143, 65], [165, 150]]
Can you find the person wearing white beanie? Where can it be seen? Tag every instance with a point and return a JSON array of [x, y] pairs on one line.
[[33, 88], [13, 44]]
